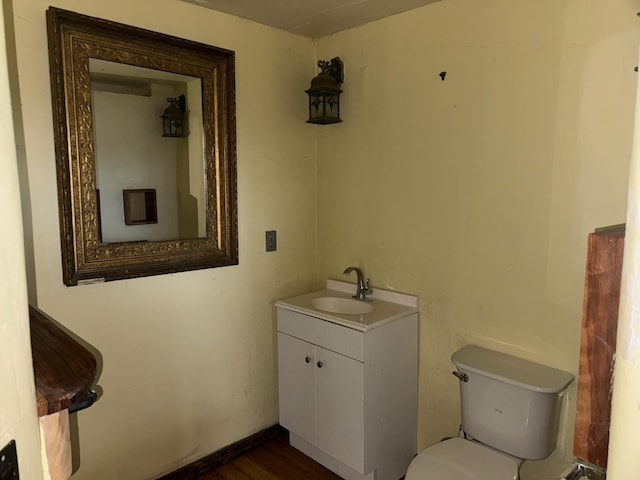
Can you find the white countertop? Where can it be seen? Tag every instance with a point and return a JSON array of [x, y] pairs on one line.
[[388, 306]]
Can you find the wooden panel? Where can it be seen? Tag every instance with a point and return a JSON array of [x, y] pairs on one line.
[[54, 432], [64, 370], [598, 345], [140, 206]]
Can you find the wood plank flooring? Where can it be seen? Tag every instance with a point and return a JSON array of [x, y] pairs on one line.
[[274, 459]]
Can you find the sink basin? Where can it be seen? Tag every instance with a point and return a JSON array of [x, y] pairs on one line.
[[341, 305]]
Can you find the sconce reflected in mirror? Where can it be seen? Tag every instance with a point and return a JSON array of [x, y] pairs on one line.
[[174, 117], [324, 93]]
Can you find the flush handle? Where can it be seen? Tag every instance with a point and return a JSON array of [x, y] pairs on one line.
[[463, 377]]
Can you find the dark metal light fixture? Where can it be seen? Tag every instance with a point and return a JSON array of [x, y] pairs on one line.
[[174, 119], [324, 93]]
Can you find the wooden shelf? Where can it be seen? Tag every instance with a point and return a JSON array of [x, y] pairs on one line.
[[64, 370]]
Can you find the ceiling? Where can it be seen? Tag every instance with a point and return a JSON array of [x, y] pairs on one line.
[[312, 18]]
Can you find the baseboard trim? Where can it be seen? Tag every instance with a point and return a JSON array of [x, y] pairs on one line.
[[224, 455]]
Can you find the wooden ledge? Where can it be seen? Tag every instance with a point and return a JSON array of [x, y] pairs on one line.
[[64, 370]]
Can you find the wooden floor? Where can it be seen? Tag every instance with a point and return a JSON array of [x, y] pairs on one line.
[[274, 459]]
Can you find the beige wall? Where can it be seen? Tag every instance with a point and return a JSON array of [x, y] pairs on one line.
[[18, 415], [188, 359], [477, 193], [624, 461]]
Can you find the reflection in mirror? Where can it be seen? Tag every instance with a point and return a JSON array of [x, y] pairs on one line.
[[110, 88], [132, 153]]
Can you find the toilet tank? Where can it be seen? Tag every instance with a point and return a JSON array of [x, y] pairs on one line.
[[508, 403]]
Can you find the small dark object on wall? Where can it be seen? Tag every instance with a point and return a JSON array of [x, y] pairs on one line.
[[140, 206], [271, 241], [442, 75], [9, 462]]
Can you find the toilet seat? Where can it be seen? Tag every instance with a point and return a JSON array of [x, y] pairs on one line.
[[460, 459]]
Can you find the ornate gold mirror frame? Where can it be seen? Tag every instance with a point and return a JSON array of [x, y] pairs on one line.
[[73, 40]]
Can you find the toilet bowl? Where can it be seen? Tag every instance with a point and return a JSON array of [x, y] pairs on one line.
[[510, 413], [460, 459]]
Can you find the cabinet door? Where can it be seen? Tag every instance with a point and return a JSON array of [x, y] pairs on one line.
[[296, 386], [340, 407]]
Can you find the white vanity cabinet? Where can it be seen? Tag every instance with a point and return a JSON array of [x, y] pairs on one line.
[[322, 398], [348, 391]]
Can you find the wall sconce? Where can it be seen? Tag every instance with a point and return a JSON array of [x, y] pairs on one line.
[[174, 119], [324, 93]]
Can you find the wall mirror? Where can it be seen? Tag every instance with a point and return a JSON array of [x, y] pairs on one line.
[[114, 90]]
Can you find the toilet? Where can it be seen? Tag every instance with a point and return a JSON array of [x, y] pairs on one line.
[[510, 413]]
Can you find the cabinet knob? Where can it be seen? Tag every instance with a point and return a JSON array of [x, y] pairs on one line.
[[319, 364], [307, 359]]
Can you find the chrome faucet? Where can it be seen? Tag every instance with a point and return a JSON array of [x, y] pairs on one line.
[[364, 288]]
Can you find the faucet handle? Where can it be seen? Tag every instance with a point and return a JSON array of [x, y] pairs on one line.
[[368, 289]]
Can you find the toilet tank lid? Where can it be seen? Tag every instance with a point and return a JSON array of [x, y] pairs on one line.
[[513, 370]]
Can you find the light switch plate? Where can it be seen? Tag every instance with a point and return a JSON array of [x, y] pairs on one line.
[[271, 241]]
